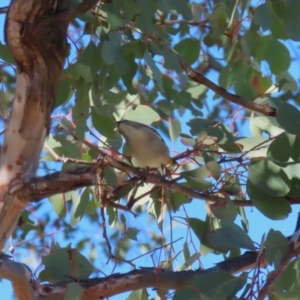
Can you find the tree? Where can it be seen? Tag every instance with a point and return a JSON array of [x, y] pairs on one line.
[[201, 73]]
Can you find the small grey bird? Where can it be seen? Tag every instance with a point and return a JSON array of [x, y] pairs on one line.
[[146, 144]]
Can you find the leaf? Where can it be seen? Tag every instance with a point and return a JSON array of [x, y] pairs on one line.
[[290, 20], [80, 111], [275, 208], [229, 237], [222, 133], [216, 285], [142, 114], [177, 199], [276, 150], [269, 178], [214, 169], [189, 49], [258, 125], [5, 54], [63, 263], [132, 233], [111, 52], [138, 295], [131, 9], [59, 205], [187, 140], [63, 93], [263, 16], [275, 247], [226, 212], [144, 20], [279, 60], [287, 284], [218, 20], [174, 129], [79, 206], [104, 124], [74, 291], [201, 229], [156, 73], [91, 57], [288, 116], [198, 126]]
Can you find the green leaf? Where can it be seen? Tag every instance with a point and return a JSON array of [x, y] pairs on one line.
[[217, 285], [174, 129], [287, 283], [111, 52], [275, 247], [143, 114], [279, 60], [295, 155], [222, 133], [187, 140], [5, 54], [288, 116], [74, 291], [275, 208], [177, 199], [79, 206], [130, 73], [276, 150], [219, 20], [63, 263], [59, 206], [63, 93], [201, 229], [229, 237], [138, 295], [189, 49], [269, 177], [137, 48], [258, 125], [132, 233], [131, 9], [263, 16], [291, 17], [145, 20], [91, 57], [156, 73], [104, 124], [198, 126], [226, 212], [181, 6], [81, 111], [214, 169]]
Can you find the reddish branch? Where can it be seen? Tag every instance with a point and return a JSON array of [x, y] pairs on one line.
[[198, 77]]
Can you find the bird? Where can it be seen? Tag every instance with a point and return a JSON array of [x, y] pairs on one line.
[[146, 144]]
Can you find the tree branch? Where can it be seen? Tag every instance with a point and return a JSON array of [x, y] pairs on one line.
[[99, 288], [197, 77], [82, 176], [19, 275]]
